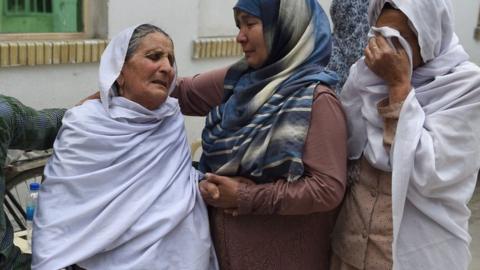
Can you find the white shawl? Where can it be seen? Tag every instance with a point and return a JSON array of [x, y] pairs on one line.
[[435, 157], [120, 191]]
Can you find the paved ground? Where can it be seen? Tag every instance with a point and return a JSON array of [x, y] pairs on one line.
[[475, 229]]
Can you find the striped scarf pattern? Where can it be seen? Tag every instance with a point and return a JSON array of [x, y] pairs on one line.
[[259, 130]]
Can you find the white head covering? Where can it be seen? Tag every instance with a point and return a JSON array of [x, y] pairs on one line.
[[111, 65], [432, 20], [434, 159], [120, 192]]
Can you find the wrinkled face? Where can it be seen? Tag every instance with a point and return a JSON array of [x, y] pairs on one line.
[[397, 20], [250, 37], [146, 77]]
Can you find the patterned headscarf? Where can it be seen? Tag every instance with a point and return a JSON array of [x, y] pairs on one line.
[[260, 128], [350, 29]]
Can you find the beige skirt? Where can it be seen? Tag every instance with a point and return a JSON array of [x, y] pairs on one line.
[[363, 232]]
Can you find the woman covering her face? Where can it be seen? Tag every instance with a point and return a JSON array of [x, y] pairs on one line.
[[274, 143], [120, 191], [413, 109]]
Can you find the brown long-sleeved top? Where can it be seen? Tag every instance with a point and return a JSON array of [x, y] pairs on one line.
[[271, 214]]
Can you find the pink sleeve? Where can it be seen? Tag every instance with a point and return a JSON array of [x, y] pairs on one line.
[[197, 95], [323, 184]]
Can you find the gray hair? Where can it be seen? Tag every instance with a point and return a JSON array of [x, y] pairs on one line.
[[139, 33]]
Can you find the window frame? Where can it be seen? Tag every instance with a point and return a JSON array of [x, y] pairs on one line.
[[33, 49], [87, 32], [28, 4]]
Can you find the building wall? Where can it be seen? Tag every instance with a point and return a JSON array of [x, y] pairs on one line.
[[466, 19], [184, 20]]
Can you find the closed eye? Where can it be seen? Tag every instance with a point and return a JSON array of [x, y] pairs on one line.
[[251, 22], [157, 56]]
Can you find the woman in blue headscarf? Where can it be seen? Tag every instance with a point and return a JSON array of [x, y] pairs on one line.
[[274, 144]]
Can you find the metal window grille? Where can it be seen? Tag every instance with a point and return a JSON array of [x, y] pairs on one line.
[[28, 7]]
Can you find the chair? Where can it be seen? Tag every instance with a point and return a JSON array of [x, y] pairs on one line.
[[18, 175]]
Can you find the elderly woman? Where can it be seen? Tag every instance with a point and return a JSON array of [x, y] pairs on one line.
[[120, 191], [275, 140], [413, 108]]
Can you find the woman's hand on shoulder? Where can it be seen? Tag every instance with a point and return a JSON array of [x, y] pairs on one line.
[[93, 96]]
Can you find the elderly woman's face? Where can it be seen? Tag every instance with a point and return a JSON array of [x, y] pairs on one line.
[[146, 77], [396, 19], [250, 36]]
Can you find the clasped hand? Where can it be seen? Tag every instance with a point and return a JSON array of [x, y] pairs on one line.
[[222, 191]]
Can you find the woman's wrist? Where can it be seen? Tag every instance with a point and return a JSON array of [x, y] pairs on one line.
[[398, 93], [244, 202]]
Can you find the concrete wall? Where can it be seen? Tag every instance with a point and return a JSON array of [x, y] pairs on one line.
[[184, 20], [49, 85], [466, 19]]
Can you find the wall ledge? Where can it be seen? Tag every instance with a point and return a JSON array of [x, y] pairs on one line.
[[50, 52], [204, 48]]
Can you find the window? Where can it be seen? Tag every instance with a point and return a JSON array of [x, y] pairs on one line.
[[37, 32], [22, 7], [41, 16]]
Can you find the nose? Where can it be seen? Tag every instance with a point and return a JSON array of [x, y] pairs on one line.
[[166, 66], [241, 37]]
